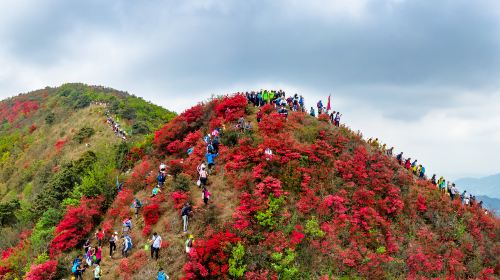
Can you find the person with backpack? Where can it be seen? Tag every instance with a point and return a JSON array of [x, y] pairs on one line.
[[97, 272], [99, 236], [408, 163], [189, 244], [259, 116], [126, 245], [89, 256], [137, 204], [205, 194], [320, 107], [433, 179], [155, 245], [161, 275], [215, 143], [161, 179], [203, 177], [399, 158], [112, 243], [75, 268], [155, 191], [127, 225], [98, 255], [210, 160], [186, 209], [86, 245], [311, 112]]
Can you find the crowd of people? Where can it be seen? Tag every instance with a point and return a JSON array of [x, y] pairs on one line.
[[446, 187], [115, 126]]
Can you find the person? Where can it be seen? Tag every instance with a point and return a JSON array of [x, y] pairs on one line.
[[127, 224], [337, 119], [399, 158], [268, 153], [126, 245], [155, 245], [205, 194], [98, 255], [189, 243], [390, 151], [97, 272], [137, 206], [466, 198], [190, 150], [312, 112], [86, 245], [320, 107], [210, 160], [433, 179], [75, 268], [89, 256], [203, 176], [207, 138], [155, 191], [161, 178], [185, 213], [99, 236], [161, 275], [163, 168], [408, 164], [259, 116], [79, 272], [112, 243], [215, 142], [454, 192], [332, 117]]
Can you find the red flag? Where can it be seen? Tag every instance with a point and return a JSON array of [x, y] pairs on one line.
[[328, 107]]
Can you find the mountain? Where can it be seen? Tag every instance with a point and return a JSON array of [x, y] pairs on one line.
[[489, 186], [493, 204], [56, 145], [290, 198]]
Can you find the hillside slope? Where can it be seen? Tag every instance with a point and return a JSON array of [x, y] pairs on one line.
[[55, 146], [324, 205]]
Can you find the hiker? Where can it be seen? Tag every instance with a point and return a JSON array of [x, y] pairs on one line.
[[190, 150], [161, 275], [98, 255], [75, 268], [414, 163], [312, 112], [163, 168], [210, 160], [320, 107], [86, 245], [99, 236], [126, 245], [189, 243], [259, 116], [433, 179], [408, 164], [161, 178], [332, 117], [203, 174], [337, 119], [185, 213], [399, 157], [155, 191], [112, 243], [215, 133], [268, 153], [155, 245], [215, 142], [454, 192], [137, 204], [466, 198], [205, 194], [127, 225], [389, 152], [89, 256], [97, 272]]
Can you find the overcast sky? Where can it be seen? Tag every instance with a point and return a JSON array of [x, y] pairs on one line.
[[421, 75]]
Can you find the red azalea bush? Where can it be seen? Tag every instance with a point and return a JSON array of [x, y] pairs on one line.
[[231, 107], [44, 271], [12, 111], [129, 266], [151, 215], [142, 175], [209, 256], [76, 225], [179, 198], [120, 208]]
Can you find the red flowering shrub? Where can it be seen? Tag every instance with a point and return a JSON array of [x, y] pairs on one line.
[[151, 215], [179, 198], [76, 225], [44, 271], [129, 266], [141, 176], [231, 108], [271, 124], [209, 257], [11, 111], [120, 208], [60, 144]]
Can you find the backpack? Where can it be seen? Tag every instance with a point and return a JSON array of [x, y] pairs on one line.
[[160, 177], [210, 149], [129, 242], [75, 267]]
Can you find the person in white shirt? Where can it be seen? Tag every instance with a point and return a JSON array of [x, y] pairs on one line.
[[155, 245]]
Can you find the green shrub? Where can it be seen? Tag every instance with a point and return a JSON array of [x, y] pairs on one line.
[[44, 230], [236, 267], [50, 118], [267, 218], [182, 182], [84, 133], [8, 211], [312, 228], [283, 264]]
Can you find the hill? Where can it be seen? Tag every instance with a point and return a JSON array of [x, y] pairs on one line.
[[493, 204], [51, 142], [291, 198], [489, 186]]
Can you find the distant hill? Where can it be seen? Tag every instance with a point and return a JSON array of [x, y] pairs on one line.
[[490, 203], [489, 186], [51, 138]]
